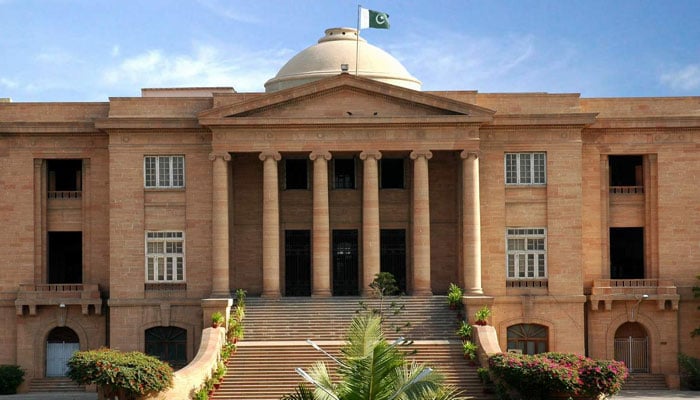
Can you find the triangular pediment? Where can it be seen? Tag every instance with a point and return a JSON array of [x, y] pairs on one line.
[[346, 96]]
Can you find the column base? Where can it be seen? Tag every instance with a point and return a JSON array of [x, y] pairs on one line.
[[271, 295], [474, 291], [422, 293], [322, 293]]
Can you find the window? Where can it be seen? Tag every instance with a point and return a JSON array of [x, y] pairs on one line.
[[296, 173], [526, 168], [344, 173], [526, 250], [164, 171], [528, 338], [165, 257], [168, 344], [391, 173]]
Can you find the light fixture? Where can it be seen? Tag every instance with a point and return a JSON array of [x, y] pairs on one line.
[[62, 305], [311, 380], [344, 68], [317, 347]]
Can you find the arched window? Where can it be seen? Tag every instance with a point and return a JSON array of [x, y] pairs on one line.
[[169, 344], [528, 338]]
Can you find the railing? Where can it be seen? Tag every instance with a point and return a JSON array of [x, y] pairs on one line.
[[627, 189], [58, 294], [609, 290], [527, 283], [64, 194]]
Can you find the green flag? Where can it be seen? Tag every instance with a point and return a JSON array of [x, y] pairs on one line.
[[373, 19]]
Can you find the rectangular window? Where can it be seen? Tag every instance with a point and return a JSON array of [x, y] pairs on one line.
[[391, 173], [526, 251], [344, 173], [296, 173], [165, 256], [164, 171], [526, 168]]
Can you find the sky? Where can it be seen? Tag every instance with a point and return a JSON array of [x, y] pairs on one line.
[[90, 50]]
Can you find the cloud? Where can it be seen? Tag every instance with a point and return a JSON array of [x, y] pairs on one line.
[[54, 56], [683, 79], [8, 83], [226, 11], [207, 65]]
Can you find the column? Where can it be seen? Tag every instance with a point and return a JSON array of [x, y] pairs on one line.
[[421, 223], [321, 251], [271, 225], [471, 223], [370, 218], [220, 225]]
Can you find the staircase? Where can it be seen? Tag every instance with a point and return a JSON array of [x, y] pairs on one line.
[[54, 385], [645, 382], [275, 343]]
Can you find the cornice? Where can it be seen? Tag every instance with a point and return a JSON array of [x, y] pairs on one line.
[[48, 127], [147, 123], [346, 122], [658, 122], [567, 119]]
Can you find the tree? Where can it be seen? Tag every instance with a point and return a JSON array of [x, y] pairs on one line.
[[371, 368], [383, 285], [696, 293]]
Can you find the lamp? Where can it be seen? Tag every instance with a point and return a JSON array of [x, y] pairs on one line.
[[344, 68]]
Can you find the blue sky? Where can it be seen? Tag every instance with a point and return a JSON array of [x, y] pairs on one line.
[[89, 50]]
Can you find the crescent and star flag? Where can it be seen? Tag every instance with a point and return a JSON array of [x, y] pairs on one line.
[[373, 19]]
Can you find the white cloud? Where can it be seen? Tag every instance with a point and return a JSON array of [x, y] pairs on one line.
[[54, 56], [226, 11], [684, 79], [8, 83], [207, 65], [115, 51]]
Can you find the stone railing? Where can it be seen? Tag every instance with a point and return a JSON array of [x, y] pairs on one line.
[[64, 194], [527, 283], [61, 295], [627, 189], [663, 291]]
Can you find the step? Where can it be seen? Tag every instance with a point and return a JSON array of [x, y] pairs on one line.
[[638, 381], [54, 385]]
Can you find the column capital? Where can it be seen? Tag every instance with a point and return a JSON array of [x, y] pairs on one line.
[[320, 154], [226, 156], [275, 155], [376, 154], [421, 153], [466, 154]]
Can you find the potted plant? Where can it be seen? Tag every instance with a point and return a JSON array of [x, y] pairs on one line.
[[454, 296], [469, 349], [217, 319], [465, 331], [481, 316]]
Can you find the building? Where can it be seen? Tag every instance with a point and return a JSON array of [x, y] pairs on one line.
[[575, 219]]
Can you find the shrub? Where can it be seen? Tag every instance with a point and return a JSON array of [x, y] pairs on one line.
[[481, 316], [127, 375], [540, 375], [464, 331], [11, 376], [454, 296], [690, 371]]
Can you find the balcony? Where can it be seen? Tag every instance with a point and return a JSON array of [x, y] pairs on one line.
[[664, 292], [60, 295]]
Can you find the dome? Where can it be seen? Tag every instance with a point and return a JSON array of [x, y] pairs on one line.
[[340, 46]]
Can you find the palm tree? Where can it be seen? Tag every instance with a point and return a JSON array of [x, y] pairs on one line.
[[373, 369]]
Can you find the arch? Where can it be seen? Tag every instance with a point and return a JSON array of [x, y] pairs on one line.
[[41, 340], [61, 343], [505, 324], [528, 338], [167, 343], [191, 345], [648, 324]]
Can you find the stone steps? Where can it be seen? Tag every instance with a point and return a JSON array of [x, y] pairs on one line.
[[44, 385], [645, 382]]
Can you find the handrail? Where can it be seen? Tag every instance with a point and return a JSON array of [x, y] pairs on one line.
[[64, 194], [627, 189]]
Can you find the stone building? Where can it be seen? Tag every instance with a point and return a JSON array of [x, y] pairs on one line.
[[575, 219]]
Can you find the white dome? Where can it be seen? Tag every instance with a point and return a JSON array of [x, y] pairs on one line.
[[340, 46]]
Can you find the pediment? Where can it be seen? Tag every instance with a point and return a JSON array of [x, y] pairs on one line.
[[346, 96]]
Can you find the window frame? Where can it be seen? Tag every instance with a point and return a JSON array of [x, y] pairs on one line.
[[172, 260], [533, 255], [517, 335], [157, 175], [530, 172]]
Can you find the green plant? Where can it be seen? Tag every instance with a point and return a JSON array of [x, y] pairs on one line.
[[481, 316], [235, 331], [11, 376], [454, 296], [484, 375], [240, 297], [239, 313], [465, 330], [469, 349], [217, 319], [301, 392], [219, 372], [227, 350], [126, 375], [201, 394], [383, 285], [690, 371]]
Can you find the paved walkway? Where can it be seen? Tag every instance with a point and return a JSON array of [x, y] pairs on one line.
[[625, 394]]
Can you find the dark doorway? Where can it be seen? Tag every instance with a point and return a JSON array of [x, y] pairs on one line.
[[65, 257], [626, 171], [297, 262], [345, 271], [627, 253], [168, 344], [65, 175], [393, 255], [391, 173]]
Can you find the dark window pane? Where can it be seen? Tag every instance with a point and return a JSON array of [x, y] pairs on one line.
[[392, 173], [296, 174]]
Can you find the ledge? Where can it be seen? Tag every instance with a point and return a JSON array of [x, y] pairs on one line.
[[61, 295], [610, 290]]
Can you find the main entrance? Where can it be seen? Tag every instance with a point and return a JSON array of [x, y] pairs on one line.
[[345, 270], [393, 255], [632, 347], [297, 262], [60, 346]]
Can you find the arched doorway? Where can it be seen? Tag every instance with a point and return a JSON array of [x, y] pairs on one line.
[[528, 338], [60, 346], [632, 346], [168, 344]]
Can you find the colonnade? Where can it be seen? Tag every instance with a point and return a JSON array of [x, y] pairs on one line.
[[321, 251]]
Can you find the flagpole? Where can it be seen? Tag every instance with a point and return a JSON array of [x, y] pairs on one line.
[[357, 39]]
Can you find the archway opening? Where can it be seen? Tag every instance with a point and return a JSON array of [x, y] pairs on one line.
[[61, 343], [632, 346], [528, 338], [168, 344]]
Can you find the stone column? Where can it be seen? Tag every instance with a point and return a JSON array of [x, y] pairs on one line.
[[471, 223], [321, 252], [220, 225], [370, 218], [421, 224], [271, 225]]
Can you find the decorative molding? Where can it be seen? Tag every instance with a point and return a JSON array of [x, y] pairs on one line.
[[466, 154], [376, 154], [275, 155], [214, 155], [320, 153], [427, 154]]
